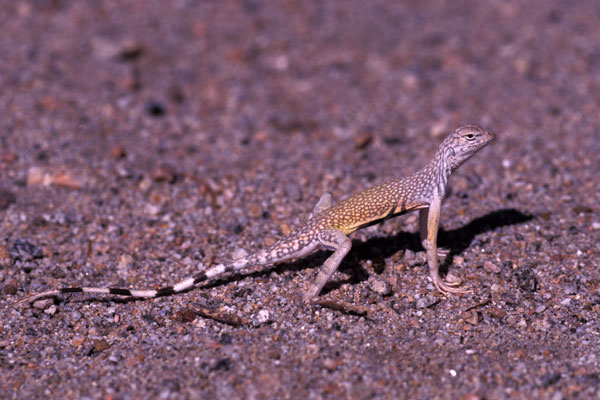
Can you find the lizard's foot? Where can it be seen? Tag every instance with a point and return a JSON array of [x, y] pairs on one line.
[[307, 300], [449, 287], [309, 297], [443, 252]]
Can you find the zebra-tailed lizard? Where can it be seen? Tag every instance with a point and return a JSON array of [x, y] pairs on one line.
[[329, 225]]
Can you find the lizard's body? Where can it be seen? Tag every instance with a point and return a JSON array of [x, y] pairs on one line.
[[330, 225]]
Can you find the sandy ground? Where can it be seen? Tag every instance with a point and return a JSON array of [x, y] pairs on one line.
[[144, 140]]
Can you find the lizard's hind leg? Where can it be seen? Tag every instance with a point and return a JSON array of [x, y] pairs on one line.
[[331, 239]]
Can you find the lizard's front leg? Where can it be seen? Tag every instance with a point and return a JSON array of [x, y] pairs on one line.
[[423, 217], [433, 222]]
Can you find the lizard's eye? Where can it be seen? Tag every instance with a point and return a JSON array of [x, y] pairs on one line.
[[470, 136]]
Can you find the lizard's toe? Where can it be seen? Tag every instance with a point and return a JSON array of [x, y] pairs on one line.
[[443, 252], [451, 287]]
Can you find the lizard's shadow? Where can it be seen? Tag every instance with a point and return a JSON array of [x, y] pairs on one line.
[[377, 249]]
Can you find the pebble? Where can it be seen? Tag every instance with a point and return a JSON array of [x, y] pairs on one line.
[[76, 316], [472, 317], [118, 152], [164, 172], [425, 302], [42, 303], [330, 364], [540, 309], [380, 287], [11, 287], [100, 345], [363, 140], [51, 310], [5, 258], [566, 302], [570, 288], [6, 198], [24, 250], [261, 317], [491, 267], [293, 191], [155, 108]]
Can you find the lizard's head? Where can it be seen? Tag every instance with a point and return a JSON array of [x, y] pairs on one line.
[[464, 142]]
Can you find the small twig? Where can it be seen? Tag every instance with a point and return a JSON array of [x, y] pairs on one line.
[[480, 304], [228, 319], [344, 307]]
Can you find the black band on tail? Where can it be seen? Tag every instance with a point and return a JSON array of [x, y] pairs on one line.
[[200, 277], [71, 290], [167, 290], [120, 292]]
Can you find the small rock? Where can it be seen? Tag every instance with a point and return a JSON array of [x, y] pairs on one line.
[[540, 309], [330, 364], [41, 304], [582, 210], [439, 129], [472, 317], [411, 258], [262, 317], [566, 302], [239, 253], [66, 179], [6, 198], [11, 287], [293, 191], [51, 310], [471, 396], [164, 173], [526, 279], [8, 157], [100, 345], [76, 316], [155, 108], [24, 250], [380, 287], [4, 255], [491, 267], [58, 273], [550, 379], [118, 152], [570, 288], [285, 229], [185, 315], [426, 302], [363, 140]]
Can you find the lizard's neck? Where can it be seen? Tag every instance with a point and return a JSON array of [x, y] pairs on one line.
[[439, 169]]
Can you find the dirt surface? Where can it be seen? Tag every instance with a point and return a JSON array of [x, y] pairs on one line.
[[142, 140]]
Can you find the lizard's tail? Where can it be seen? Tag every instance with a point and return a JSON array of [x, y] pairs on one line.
[[181, 286]]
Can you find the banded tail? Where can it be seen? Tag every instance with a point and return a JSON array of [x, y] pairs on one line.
[[179, 287]]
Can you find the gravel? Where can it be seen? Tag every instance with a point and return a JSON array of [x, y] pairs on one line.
[[142, 139]]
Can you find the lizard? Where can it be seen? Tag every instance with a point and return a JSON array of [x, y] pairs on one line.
[[329, 225]]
